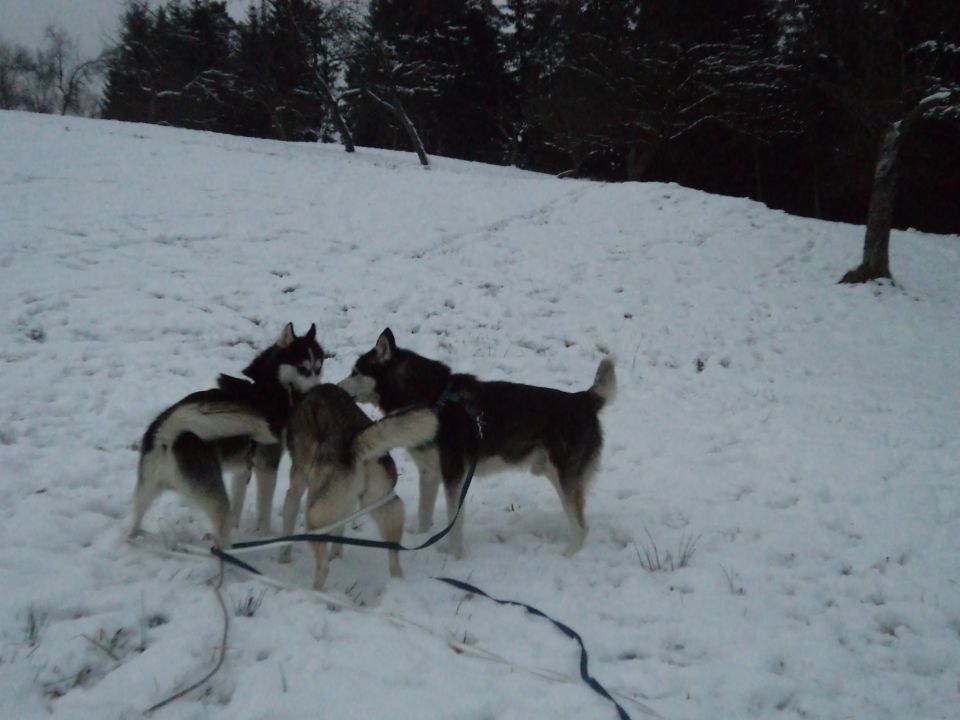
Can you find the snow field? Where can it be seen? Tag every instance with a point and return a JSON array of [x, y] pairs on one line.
[[802, 435]]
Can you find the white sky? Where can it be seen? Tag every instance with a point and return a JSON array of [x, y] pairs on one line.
[[89, 22]]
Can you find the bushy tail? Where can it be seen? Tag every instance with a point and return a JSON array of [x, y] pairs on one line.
[[402, 430], [604, 386], [214, 420]]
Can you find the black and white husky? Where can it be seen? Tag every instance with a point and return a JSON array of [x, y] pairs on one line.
[[342, 459], [555, 433], [233, 427]]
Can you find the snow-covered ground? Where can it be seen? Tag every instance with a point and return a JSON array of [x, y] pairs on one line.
[[802, 436]]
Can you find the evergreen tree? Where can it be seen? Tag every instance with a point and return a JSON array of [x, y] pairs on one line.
[[173, 65], [620, 80], [440, 60], [284, 61]]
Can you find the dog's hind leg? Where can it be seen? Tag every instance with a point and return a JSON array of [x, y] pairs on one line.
[[200, 479], [291, 507], [149, 485], [326, 504], [390, 516], [240, 468], [573, 500], [266, 461], [428, 468], [572, 497]]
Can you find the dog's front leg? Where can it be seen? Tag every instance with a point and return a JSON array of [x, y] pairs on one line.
[[455, 538], [322, 566], [237, 494], [266, 461], [428, 468], [336, 549]]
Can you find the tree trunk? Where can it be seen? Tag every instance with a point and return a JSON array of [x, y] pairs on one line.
[[638, 161], [334, 108], [876, 242], [396, 107]]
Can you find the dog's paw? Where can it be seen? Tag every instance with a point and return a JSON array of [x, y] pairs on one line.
[[319, 578], [573, 547], [453, 550]]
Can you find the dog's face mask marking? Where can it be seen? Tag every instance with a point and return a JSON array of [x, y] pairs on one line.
[[301, 360], [303, 375], [361, 384]]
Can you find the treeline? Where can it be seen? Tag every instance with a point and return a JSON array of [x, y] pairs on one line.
[[784, 101]]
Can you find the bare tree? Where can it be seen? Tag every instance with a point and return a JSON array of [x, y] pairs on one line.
[[325, 61], [876, 243], [52, 79], [896, 69], [68, 75], [395, 106], [383, 75]]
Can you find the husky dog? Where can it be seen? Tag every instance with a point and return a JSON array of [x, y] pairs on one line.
[[556, 433], [232, 427], [285, 371], [342, 459]]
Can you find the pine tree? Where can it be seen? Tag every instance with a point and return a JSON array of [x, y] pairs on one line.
[[438, 62], [173, 65]]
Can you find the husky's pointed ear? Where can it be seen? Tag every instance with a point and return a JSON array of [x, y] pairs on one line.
[[311, 333], [386, 345], [287, 336]]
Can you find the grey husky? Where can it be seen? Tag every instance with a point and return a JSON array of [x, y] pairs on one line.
[[555, 433], [341, 457], [234, 427]]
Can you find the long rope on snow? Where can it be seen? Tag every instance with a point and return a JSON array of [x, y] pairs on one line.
[[222, 654], [469, 650]]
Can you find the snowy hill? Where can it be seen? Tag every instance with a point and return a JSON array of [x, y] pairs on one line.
[[800, 435]]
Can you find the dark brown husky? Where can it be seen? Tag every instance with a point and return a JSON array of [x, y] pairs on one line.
[[341, 458]]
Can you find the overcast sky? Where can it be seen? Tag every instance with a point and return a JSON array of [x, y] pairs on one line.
[[90, 22]]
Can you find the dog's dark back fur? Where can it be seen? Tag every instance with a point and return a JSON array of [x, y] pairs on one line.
[[270, 400]]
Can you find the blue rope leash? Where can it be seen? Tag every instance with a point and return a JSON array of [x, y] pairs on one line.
[[339, 539], [565, 629], [447, 397]]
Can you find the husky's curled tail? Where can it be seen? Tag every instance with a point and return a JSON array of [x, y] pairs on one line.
[[604, 386], [404, 429]]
